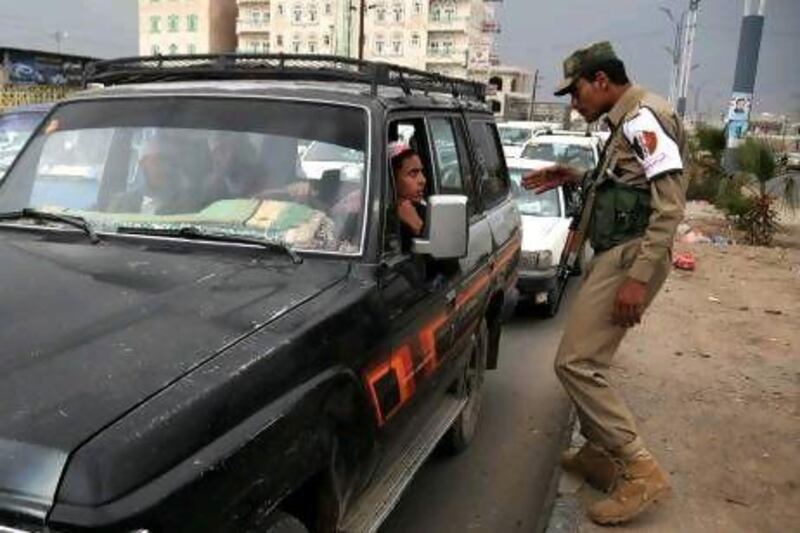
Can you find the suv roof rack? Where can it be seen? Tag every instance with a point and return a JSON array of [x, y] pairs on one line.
[[277, 67]]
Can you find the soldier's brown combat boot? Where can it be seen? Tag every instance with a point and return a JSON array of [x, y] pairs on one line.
[[642, 482], [593, 464]]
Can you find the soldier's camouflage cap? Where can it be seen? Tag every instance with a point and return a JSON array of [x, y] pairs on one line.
[[581, 60]]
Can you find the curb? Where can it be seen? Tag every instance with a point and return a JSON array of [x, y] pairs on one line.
[[566, 511]]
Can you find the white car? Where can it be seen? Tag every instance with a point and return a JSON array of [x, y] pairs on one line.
[[514, 135], [577, 149], [320, 157], [545, 226]]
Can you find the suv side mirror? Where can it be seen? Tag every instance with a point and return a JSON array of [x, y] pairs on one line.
[[447, 228]]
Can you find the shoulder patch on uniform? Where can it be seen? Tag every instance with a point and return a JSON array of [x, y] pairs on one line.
[[656, 150]]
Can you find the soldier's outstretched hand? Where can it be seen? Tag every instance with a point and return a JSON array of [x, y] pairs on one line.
[[551, 177]]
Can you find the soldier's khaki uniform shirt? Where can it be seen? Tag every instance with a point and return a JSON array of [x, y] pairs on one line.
[[651, 156]]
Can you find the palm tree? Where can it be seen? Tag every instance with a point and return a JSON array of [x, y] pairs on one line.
[[758, 161]]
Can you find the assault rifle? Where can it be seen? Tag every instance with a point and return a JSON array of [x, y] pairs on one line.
[[576, 238]]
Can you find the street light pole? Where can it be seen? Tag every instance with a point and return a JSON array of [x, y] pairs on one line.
[[59, 36], [674, 52], [687, 48]]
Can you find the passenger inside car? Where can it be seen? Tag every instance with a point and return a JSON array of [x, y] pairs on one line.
[[409, 176], [235, 171]]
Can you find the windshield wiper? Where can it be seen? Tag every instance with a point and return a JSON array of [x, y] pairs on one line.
[[193, 232], [71, 220]]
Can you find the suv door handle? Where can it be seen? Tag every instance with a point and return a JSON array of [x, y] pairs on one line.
[[450, 297]]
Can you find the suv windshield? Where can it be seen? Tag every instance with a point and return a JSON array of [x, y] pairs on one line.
[[569, 154], [224, 166], [514, 136], [530, 203], [15, 128]]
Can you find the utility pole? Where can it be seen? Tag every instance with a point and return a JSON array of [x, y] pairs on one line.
[[533, 94], [362, 8]]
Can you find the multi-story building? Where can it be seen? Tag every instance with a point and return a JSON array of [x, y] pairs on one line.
[[453, 37], [172, 27]]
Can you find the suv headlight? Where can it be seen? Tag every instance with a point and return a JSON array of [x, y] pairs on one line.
[[536, 260], [528, 260], [545, 260]]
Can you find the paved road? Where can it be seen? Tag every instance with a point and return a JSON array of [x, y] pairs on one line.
[[500, 483]]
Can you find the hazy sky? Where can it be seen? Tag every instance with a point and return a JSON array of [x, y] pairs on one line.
[[540, 33], [535, 34]]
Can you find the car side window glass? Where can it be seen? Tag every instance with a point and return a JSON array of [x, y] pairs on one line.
[[448, 165], [493, 181]]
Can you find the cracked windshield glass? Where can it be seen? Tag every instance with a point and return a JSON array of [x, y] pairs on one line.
[[282, 172]]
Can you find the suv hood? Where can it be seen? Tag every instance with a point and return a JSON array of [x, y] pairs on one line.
[[88, 332], [544, 233]]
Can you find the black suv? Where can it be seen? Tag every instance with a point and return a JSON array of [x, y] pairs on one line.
[[211, 320]]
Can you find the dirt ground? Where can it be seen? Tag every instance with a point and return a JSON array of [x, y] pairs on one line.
[[713, 376]]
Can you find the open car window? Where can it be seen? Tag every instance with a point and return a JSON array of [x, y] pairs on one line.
[[225, 165]]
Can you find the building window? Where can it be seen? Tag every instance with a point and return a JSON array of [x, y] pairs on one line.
[[417, 7], [397, 12], [192, 49], [172, 23], [433, 48], [173, 49], [312, 12], [191, 23], [380, 44], [380, 14], [326, 40], [449, 13], [280, 10], [279, 41], [255, 16], [264, 47], [328, 8], [297, 13], [296, 44], [397, 45], [155, 24], [312, 45], [155, 50], [436, 14]]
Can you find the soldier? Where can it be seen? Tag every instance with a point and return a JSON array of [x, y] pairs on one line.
[[638, 203]]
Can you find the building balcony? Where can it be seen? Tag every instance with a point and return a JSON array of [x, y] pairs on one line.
[[448, 24], [252, 26], [447, 56]]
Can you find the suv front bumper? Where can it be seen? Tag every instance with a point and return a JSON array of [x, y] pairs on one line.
[[537, 284]]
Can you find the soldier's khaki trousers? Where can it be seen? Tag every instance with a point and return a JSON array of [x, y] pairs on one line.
[[589, 343]]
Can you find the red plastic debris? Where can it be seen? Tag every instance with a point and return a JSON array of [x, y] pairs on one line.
[[685, 261]]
